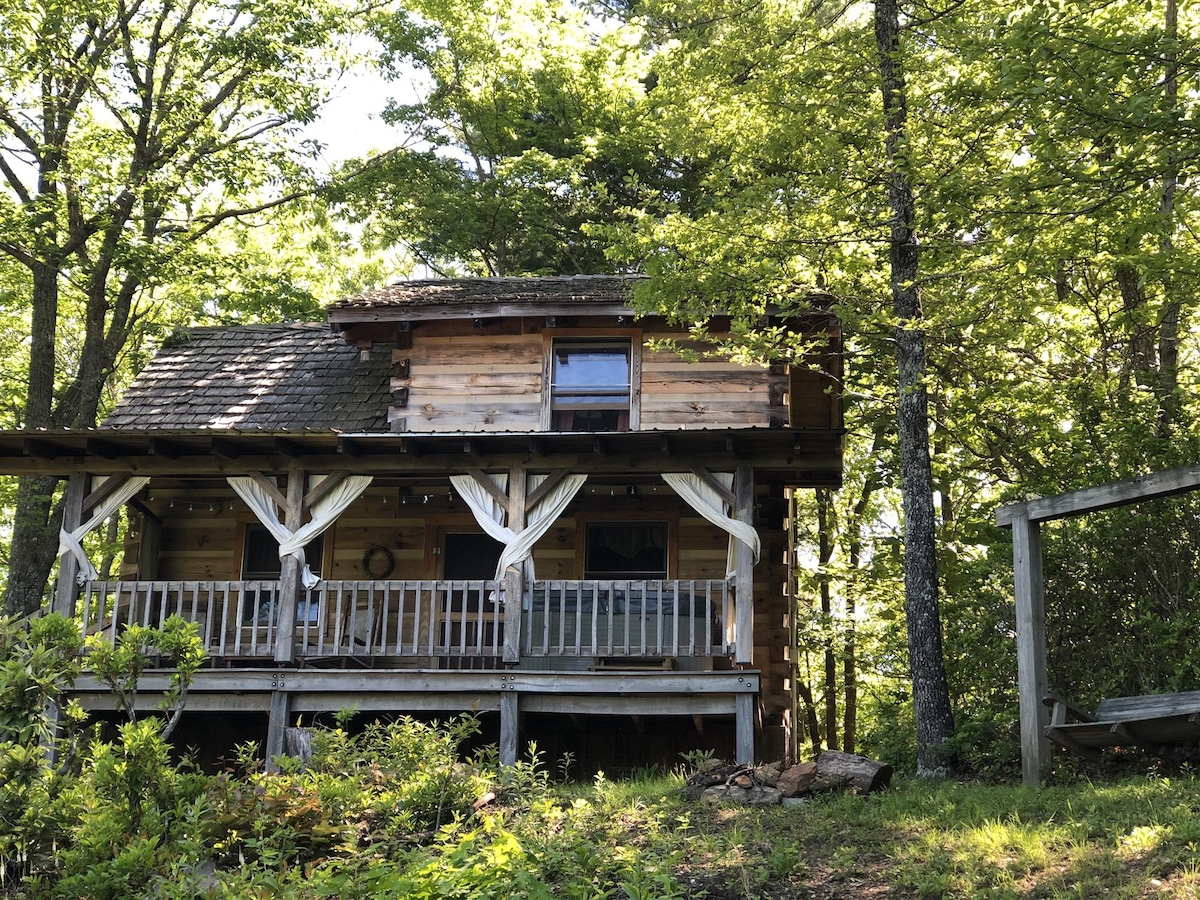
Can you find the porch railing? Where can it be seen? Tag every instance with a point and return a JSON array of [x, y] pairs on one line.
[[627, 618], [427, 619]]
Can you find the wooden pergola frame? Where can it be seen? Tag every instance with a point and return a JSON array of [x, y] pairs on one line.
[[1025, 521]]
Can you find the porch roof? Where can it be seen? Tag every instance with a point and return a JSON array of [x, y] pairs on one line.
[[794, 456]]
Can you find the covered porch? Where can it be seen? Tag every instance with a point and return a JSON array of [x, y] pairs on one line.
[[680, 634]]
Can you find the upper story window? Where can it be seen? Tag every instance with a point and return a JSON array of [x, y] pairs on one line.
[[590, 385]]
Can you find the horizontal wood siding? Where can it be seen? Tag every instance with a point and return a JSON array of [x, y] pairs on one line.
[[493, 380], [469, 382], [709, 393]]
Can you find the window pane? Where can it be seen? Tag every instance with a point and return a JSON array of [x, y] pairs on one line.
[[592, 374], [470, 557], [626, 550], [260, 554]]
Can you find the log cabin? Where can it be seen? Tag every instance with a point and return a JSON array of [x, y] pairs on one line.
[[508, 495]]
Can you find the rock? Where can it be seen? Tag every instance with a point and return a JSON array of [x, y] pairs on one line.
[[824, 784], [768, 774], [742, 781], [758, 795], [791, 802], [797, 779]]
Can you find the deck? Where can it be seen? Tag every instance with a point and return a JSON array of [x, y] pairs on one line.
[[637, 648]]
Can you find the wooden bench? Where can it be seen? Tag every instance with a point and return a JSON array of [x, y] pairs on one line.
[[1151, 722]]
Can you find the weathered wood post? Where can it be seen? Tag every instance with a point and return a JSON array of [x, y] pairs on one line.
[[285, 629], [744, 595], [514, 598], [67, 589], [1030, 599], [289, 571]]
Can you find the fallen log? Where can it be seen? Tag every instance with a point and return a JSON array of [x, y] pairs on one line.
[[863, 774]]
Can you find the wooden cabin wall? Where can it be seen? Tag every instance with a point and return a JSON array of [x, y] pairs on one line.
[[206, 544], [492, 379], [484, 380], [708, 393]]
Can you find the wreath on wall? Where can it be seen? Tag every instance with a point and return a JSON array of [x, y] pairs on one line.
[[378, 562]]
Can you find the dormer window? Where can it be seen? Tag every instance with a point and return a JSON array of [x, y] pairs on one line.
[[590, 383]]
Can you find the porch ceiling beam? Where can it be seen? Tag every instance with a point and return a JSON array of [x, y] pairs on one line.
[[490, 486], [272, 490], [289, 448], [411, 681], [103, 491], [798, 469], [102, 448], [327, 484], [551, 482], [164, 448], [39, 448], [709, 479], [225, 449]]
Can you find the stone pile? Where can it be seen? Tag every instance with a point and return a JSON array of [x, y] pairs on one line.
[[777, 782]]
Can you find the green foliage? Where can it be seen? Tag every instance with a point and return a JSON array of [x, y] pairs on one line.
[[176, 645], [524, 135]]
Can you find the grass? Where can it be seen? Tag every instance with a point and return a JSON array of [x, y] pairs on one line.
[[1132, 839]]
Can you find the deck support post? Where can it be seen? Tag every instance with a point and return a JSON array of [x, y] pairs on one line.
[[744, 720], [281, 703], [744, 580], [1030, 599], [510, 723], [289, 573], [67, 590]]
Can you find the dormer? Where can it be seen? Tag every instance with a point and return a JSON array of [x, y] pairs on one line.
[[569, 355]]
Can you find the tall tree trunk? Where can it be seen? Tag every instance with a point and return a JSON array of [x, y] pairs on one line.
[[1167, 383], [931, 695], [35, 540], [35, 534]]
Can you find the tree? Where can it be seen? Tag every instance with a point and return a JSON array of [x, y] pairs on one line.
[[931, 693], [523, 135], [132, 133]]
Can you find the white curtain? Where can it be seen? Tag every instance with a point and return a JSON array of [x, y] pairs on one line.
[[323, 514], [72, 541], [706, 501], [489, 513]]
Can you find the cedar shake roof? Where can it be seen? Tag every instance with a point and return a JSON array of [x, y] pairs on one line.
[[301, 377], [603, 289]]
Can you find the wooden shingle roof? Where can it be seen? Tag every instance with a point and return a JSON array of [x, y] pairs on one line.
[[531, 291], [277, 378]]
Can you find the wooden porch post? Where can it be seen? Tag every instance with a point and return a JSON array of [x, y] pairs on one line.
[[67, 589], [744, 725], [289, 573], [281, 707], [1031, 647], [510, 723], [743, 490], [514, 578]]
